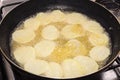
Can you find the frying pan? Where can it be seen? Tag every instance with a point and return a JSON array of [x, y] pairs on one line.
[[32, 7]]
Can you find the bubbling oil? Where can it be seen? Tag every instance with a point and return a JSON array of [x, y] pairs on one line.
[[64, 49]]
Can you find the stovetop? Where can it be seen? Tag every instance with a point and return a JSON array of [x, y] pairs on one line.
[[7, 73]]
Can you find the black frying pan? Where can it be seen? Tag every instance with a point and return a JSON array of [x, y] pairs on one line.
[[91, 9]]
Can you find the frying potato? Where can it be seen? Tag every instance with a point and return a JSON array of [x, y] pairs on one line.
[[42, 18], [99, 53], [54, 70], [32, 24], [93, 26], [72, 31], [44, 48], [36, 66], [23, 36], [71, 68], [99, 39], [75, 18], [50, 32], [24, 54], [88, 65], [56, 16]]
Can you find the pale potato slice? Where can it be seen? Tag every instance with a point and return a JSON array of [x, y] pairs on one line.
[[56, 16], [72, 31], [75, 18], [32, 24], [99, 39], [44, 48], [54, 70], [71, 68], [24, 54], [99, 53], [43, 18], [50, 32], [76, 47], [88, 65], [36, 66], [93, 26], [23, 36]]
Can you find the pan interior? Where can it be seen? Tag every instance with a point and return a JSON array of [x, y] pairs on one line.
[[88, 8]]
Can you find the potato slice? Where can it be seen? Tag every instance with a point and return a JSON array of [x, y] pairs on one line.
[[24, 54], [42, 18], [75, 47], [36, 66], [93, 26], [32, 24], [75, 18], [99, 39], [50, 32], [44, 48], [99, 53], [54, 70], [23, 36], [56, 16], [71, 68], [72, 31], [88, 65]]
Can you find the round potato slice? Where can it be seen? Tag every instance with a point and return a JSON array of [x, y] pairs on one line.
[[99, 53], [71, 68], [23, 36], [88, 65], [75, 18], [32, 24], [54, 70], [43, 18], [44, 48], [24, 54], [36, 66], [72, 31], [75, 47], [50, 32], [99, 39], [93, 26], [56, 16]]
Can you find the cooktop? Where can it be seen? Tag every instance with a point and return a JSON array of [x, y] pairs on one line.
[[7, 73]]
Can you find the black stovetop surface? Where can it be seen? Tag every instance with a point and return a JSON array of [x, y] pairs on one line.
[[6, 72]]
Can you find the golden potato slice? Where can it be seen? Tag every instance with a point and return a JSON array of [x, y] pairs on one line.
[[99, 53], [72, 31], [93, 26], [32, 24], [36, 66], [88, 65], [71, 68], [24, 54], [75, 18], [99, 39], [54, 70], [50, 32], [44, 48], [23, 36]]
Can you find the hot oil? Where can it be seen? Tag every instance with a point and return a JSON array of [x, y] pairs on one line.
[[60, 53]]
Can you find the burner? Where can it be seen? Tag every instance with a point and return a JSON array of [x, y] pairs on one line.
[[8, 73]]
